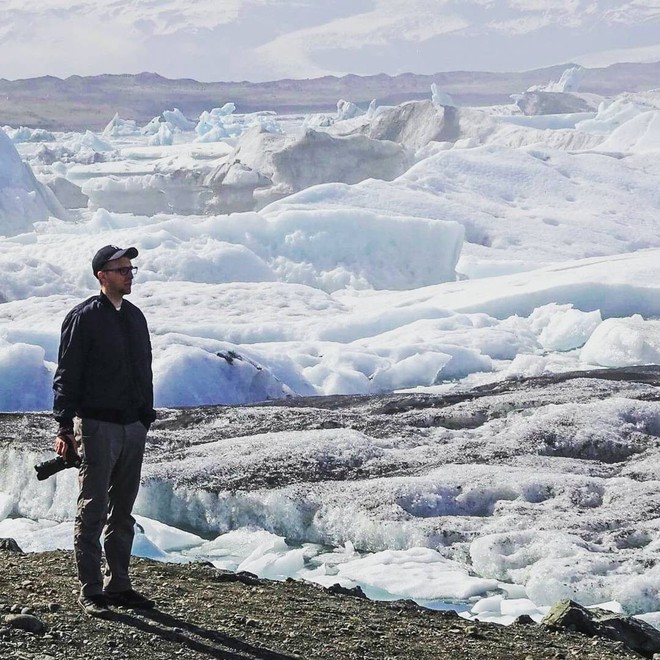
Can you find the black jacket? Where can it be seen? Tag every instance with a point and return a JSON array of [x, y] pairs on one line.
[[104, 365]]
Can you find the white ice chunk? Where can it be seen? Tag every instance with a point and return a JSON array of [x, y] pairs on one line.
[[490, 604], [91, 141], [163, 137], [25, 134], [218, 378], [441, 98], [7, 504], [518, 606], [610, 606], [623, 342], [569, 82], [23, 200], [652, 618], [166, 537], [152, 126], [25, 380], [639, 593], [639, 134], [176, 119], [143, 546], [240, 543], [221, 123], [274, 565], [38, 535], [347, 110], [118, 127], [610, 115], [419, 573], [569, 329], [526, 366]]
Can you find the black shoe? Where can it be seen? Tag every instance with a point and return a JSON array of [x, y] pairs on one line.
[[96, 605], [129, 598]]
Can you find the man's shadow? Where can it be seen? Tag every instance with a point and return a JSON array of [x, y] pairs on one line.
[[211, 642]]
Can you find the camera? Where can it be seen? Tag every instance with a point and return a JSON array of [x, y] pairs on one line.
[[54, 465]]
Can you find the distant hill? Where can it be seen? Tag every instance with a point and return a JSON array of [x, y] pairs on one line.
[[77, 103]]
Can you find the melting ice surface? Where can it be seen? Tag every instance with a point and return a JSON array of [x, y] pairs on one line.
[[420, 574], [521, 246]]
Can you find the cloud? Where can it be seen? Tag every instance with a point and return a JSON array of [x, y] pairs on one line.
[[267, 39]]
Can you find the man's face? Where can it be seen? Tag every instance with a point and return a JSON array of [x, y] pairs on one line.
[[112, 281]]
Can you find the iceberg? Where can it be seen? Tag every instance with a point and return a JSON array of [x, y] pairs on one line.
[[163, 137], [23, 200], [118, 127], [177, 120]]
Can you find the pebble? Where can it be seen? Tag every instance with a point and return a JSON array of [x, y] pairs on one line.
[[26, 622]]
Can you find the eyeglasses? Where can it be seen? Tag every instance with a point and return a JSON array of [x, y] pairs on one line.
[[123, 271]]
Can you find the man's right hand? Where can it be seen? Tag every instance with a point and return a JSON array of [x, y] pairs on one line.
[[63, 444]]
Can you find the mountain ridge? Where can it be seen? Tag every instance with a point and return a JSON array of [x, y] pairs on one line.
[[89, 102]]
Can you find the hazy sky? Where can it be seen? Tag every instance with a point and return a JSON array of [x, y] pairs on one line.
[[268, 39]]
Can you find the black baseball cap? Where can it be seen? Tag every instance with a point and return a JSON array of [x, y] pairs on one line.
[[109, 253]]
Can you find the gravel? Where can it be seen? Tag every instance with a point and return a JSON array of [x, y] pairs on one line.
[[206, 613]]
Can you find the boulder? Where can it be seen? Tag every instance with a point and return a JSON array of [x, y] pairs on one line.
[[635, 634], [9, 545], [26, 622], [571, 615], [338, 590]]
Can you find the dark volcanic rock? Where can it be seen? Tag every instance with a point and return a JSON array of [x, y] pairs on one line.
[[26, 622], [633, 633], [9, 545], [571, 615]]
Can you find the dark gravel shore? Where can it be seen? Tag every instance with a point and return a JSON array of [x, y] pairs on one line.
[[205, 613]]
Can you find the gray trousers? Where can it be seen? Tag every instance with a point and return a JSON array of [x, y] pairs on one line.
[[109, 483]]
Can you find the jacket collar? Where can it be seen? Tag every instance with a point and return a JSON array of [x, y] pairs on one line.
[[103, 299]]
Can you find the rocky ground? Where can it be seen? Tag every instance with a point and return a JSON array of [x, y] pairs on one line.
[[205, 613]]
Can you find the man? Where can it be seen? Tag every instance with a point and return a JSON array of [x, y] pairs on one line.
[[104, 406]]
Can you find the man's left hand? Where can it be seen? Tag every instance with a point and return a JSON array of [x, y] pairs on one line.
[[64, 444]]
